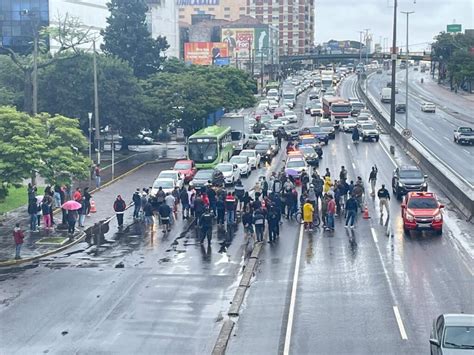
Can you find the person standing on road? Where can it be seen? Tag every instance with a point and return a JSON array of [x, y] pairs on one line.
[[384, 198], [257, 189], [205, 223], [184, 198], [264, 187], [230, 205], [148, 215], [165, 212], [137, 203], [358, 193], [259, 222], [212, 196], [220, 210], [247, 221], [331, 212], [97, 173], [119, 208], [32, 211], [351, 211], [327, 184], [239, 193], [87, 197], [82, 212], [71, 221], [308, 213], [46, 210], [273, 224], [327, 174], [343, 174], [311, 196], [171, 202], [373, 179], [304, 181], [160, 196], [18, 237], [199, 207]]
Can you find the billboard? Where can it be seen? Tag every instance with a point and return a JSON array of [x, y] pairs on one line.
[[205, 53], [198, 2], [262, 43], [240, 41]]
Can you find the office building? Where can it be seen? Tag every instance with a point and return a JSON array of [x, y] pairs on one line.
[[162, 19], [229, 10]]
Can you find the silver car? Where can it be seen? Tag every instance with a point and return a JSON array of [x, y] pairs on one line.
[[452, 334]]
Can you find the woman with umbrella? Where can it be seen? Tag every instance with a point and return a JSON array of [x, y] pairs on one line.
[[71, 207]]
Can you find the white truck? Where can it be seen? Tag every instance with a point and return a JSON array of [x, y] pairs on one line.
[[236, 122], [386, 95]]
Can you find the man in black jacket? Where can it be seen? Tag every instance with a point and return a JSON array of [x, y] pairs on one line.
[[137, 203], [205, 223], [384, 198]]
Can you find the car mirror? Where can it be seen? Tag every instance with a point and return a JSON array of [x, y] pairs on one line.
[[434, 342], [441, 206], [235, 167], [425, 176], [404, 205]]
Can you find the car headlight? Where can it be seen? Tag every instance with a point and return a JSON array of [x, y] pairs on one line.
[[425, 184], [409, 217], [438, 217], [400, 184], [269, 152]]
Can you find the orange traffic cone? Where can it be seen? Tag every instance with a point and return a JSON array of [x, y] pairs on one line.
[[93, 208], [366, 213]]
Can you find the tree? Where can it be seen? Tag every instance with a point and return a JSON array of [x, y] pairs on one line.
[[68, 34], [68, 91], [11, 83], [52, 146], [127, 37]]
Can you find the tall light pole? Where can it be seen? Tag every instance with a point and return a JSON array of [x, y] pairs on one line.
[[90, 135], [408, 13], [34, 77], [96, 104], [394, 64], [360, 46], [366, 45]]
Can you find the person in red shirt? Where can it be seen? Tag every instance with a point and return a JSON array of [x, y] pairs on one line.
[[18, 236], [205, 199], [330, 213], [77, 196]]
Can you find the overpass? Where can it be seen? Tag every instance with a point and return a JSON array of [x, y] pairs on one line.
[[315, 57]]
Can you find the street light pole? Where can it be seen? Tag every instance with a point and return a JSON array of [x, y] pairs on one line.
[[360, 46], [394, 64], [90, 135], [96, 104], [408, 13], [366, 45], [261, 70]]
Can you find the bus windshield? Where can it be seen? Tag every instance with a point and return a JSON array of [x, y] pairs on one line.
[[341, 108], [205, 152]]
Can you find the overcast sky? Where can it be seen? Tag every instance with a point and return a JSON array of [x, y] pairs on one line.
[[342, 19]]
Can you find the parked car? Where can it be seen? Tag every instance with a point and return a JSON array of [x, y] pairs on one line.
[[408, 178], [464, 135], [167, 185], [368, 131], [172, 174], [291, 117], [428, 107], [242, 163], [318, 132], [186, 168], [254, 157], [265, 151], [203, 177], [452, 334], [230, 171], [316, 109], [357, 106], [422, 211]]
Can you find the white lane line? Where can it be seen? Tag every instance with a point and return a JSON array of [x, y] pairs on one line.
[[349, 147], [467, 151], [447, 139], [374, 235], [403, 333], [389, 155], [291, 313], [353, 165], [432, 128]]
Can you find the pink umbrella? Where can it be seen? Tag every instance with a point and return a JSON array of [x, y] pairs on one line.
[[71, 205]]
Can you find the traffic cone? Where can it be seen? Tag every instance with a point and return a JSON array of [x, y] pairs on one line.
[[366, 213], [93, 208]]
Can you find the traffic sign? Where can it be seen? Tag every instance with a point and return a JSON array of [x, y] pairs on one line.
[[454, 28], [406, 133]]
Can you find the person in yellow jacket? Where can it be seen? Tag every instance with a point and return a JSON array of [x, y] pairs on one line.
[[308, 211], [327, 184]]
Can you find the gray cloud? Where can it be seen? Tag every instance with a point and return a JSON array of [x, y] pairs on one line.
[[342, 19]]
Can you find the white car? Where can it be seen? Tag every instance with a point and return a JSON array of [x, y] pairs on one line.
[[297, 164], [288, 102], [167, 185], [243, 164], [266, 133], [230, 171], [172, 174], [291, 117], [272, 105], [254, 157], [348, 124], [428, 107]]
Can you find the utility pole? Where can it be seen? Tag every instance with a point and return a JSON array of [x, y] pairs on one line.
[[406, 72], [96, 104], [367, 45], [261, 70], [394, 64], [250, 55], [90, 135], [360, 46], [35, 71]]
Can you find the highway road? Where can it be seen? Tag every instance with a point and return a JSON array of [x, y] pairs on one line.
[[433, 130], [348, 292]]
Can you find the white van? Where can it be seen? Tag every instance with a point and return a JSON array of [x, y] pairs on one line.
[[386, 95]]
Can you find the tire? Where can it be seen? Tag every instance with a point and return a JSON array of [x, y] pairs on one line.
[[298, 217], [377, 139], [406, 231], [440, 232], [399, 195]]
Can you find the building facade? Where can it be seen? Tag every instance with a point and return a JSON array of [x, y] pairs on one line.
[[294, 19], [162, 19], [230, 10]]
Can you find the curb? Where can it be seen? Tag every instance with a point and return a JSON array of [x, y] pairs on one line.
[[13, 262], [223, 339]]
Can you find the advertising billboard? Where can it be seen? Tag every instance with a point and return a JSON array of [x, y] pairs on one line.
[[205, 53], [262, 43], [240, 41]]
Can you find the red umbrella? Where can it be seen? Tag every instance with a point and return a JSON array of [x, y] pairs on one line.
[[71, 205]]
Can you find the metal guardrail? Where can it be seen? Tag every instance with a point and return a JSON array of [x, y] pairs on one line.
[[460, 192]]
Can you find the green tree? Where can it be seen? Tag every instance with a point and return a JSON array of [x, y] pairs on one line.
[[127, 37], [11, 83]]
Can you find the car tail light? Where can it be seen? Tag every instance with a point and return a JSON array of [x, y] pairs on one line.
[[409, 217]]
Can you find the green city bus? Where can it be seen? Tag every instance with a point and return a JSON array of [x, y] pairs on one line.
[[210, 146]]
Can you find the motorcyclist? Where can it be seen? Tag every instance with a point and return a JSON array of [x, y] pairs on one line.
[[355, 134]]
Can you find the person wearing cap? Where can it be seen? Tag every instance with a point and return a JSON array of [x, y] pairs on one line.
[[119, 208]]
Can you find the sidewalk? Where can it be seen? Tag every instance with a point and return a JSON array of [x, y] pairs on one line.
[[104, 199]]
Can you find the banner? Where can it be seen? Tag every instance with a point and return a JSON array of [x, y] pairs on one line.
[[239, 40], [205, 53], [262, 43]]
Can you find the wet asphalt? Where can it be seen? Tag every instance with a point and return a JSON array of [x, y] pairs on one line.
[[172, 294]]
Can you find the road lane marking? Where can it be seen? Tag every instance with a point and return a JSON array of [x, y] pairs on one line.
[[374, 236], [348, 147], [403, 333], [353, 165], [447, 139], [467, 151], [291, 313], [432, 128], [389, 155]]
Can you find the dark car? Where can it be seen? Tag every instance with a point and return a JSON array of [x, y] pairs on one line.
[[265, 151], [452, 334], [317, 132], [203, 177], [408, 178], [310, 154], [290, 132], [400, 108], [328, 128], [356, 107]]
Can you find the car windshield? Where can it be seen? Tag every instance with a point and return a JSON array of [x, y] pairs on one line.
[[295, 164], [316, 105], [238, 160], [308, 141], [247, 154], [326, 124], [465, 130], [368, 126], [167, 175], [315, 129], [349, 121], [341, 108], [307, 150], [459, 337], [422, 202], [182, 166], [165, 184], [204, 174], [411, 174], [357, 105], [262, 146], [202, 152], [224, 167]]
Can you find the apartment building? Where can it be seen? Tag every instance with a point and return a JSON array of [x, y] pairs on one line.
[[229, 10]]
